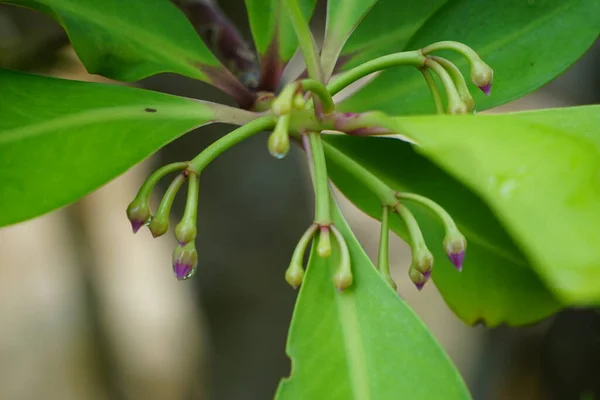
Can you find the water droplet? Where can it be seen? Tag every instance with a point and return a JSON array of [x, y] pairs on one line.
[[278, 155]]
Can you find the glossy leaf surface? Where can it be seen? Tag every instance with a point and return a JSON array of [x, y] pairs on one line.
[[364, 342], [62, 139], [272, 29], [538, 172], [130, 40], [496, 285], [526, 43]]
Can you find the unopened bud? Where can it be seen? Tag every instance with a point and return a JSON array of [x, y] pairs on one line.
[[324, 246], [185, 260], [455, 246], [138, 213], [423, 261], [482, 76], [279, 141], [457, 107], [299, 101], [417, 278], [185, 231], [159, 225], [342, 279], [294, 275]]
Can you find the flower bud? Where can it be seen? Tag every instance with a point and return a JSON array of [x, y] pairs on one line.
[[423, 261], [299, 101], [417, 278], [324, 245], [279, 141], [138, 213], [342, 278], [185, 260], [185, 231], [455, 246], [482, 76], [159, 225], [294, 275]]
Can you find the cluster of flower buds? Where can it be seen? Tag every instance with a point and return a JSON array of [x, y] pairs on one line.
[[459, 99], [185, 257], [342, 278], [454, 243]]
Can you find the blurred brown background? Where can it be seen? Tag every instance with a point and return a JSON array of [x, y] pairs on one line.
[[90, 311]]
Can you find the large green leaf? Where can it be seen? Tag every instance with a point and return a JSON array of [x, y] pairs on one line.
[[386, 29], [538, 172], [272, 29], [364, 342], [342, 17], [526, 43], [130, 40], [60, 139], [496, 285]]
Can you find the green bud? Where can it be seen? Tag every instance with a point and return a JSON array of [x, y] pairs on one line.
[[138, 213], [422, 261], [417, 278], [455, 246], [159, 225], [482, 76], [299, 101], [294, 275], [342, 279], [324, 246], [279, 141], [283, 103]]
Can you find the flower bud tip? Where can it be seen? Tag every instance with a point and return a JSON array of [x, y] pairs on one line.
[[138, 213], [158, 226], [419, 286], [136, 225], [324, 246], [486, 89]]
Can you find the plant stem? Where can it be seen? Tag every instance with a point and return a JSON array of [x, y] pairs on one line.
[[322, 215], [434, 207], [318, 89], [414, 58], [435, 93], [454, 99], [198, 163], [305, 40], [157, 175], [383, 261]]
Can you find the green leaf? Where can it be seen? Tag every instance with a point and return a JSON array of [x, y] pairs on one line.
[[364, 342], [130, 40], [538, 172], [496, 285], [386, 29], [342, 17], [62, 139], [272, 29], [526, 43]]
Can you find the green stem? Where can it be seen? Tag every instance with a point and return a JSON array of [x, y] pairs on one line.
[[435, 93], [455, 103], [461, 48], [414, 232], [318, 89], [157, 175], [458, 79], [198, 163], [414, 58], [306, 40], [383, 257], [322, 215], [438, 210], [191, 206], [385, 194]]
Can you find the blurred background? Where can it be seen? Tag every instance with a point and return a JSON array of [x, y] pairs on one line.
[[90, 311]]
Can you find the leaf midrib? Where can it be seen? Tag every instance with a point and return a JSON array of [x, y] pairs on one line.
[[96, 115]]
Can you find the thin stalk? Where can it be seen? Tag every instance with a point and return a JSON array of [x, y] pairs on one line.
[[383, 257], [455, 103], [414, 58], [198, 163], [438, 210], [322, 214], [306, 40], [318, 89], [435, 93]]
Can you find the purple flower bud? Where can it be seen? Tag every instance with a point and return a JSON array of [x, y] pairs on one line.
[[423, 261], [486, 89], [417, 278], [138, 214], [455, 246], [185, 260]]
